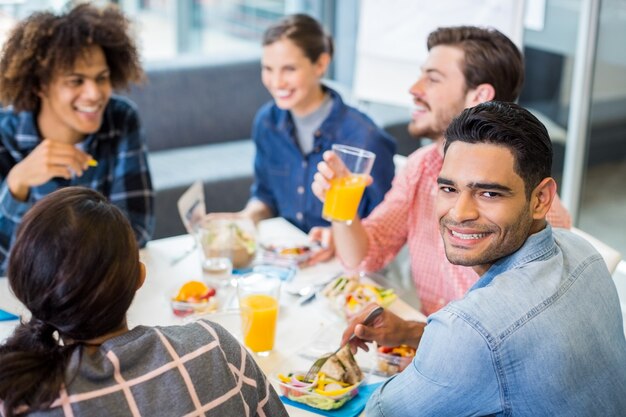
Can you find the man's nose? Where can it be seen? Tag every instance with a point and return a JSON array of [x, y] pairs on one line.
[[417, 89], [464, 208], [91, 90]]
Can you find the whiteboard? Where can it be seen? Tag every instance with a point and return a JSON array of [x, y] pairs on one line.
[[391, 42]]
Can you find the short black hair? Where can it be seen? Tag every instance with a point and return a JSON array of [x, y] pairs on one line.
[[509, 125]]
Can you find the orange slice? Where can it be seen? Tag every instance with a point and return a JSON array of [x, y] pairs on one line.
[[191, 290]]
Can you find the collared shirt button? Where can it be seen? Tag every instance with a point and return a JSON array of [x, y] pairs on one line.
[[304, 164], [300, 190], [299, 216], [318, 133]]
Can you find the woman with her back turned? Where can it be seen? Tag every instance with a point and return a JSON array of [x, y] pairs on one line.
[[75, 266]]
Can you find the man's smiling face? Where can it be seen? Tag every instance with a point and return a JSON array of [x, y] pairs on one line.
[[439, 94], [483, 211], [73, 104]]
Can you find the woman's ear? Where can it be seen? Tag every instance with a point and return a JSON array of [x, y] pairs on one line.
[[542, 197], [322, 63], [480, 94], [142, 274]]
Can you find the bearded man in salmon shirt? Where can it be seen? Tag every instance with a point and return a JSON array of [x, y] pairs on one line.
[[466, 66]]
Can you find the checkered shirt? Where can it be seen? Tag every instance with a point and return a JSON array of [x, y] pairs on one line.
[[122, 174], [198, 369]]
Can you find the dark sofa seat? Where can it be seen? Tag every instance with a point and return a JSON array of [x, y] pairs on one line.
[[197, 117]]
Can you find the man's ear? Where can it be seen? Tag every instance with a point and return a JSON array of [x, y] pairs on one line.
[[542, 197], [42, 92], [480, 94], [142, 275]]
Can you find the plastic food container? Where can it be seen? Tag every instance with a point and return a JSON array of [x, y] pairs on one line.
[[193, 297], [310, 397], [287, 253], [233, 236], [350, 294], [184, 309], [390, 361]]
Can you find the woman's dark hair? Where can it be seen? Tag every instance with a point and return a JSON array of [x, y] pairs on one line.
[[509, 125], [304, 31], [490, 57], [44, 44], [75, 266]]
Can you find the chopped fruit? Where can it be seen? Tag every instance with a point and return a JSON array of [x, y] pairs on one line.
[[194, 292]]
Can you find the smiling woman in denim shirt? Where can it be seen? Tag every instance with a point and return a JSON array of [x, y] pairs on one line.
[[302, 122]]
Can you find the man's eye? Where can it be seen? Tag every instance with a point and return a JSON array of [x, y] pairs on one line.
[[103, 78], [74, 82], [490, 194], [447, 189]]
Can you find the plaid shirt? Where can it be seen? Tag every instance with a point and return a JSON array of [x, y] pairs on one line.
[[194, 370], [122, 174], [407, 215]]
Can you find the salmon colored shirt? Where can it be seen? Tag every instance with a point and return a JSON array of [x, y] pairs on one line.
[[407, 215]]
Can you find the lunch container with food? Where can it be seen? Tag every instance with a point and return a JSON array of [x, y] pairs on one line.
[[193, 297], [349, 294], [235, 236], [320, 394], [288, 253], [392, 360]]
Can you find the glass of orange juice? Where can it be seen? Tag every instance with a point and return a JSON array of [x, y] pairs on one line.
[[346, 189], [258, 295]]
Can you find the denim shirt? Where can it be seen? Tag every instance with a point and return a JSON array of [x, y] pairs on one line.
[[122, 174], [539, 334], [283, 175]]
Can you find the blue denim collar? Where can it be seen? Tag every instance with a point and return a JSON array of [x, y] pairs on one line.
[[284, 121], [538, 246]]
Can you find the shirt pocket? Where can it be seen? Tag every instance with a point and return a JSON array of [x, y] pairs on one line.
[[280, 183]]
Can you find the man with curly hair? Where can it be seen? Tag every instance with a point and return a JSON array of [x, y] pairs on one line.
[[63, 127]]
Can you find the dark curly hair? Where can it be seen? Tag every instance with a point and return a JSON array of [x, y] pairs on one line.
[[45, 43]]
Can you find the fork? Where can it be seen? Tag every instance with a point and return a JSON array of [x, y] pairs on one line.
[[317, 365]]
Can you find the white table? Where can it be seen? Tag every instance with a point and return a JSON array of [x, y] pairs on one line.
[[307, 328]]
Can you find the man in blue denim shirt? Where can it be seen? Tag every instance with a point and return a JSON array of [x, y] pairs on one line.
[[541, 332], [64, 128]]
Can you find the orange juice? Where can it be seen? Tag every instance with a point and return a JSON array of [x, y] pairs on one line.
[[258, 321], [343, 198]]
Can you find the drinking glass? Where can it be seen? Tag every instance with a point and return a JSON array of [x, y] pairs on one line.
[[258, 295], [346, 189], [215, 237]]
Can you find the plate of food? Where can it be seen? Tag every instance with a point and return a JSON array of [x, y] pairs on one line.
[[235, 236], [193, 297], [336, 383], [288, 252], [351, 293]]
